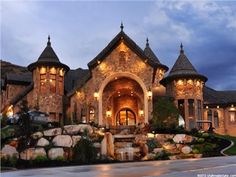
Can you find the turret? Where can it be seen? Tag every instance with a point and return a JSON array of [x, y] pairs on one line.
[[48, 76], [185, 85]]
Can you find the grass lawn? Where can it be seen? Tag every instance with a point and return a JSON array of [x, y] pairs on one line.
[[232, 150]]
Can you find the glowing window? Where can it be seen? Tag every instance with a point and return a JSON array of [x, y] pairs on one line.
[[52, 83], [43, 83], [60, 85], [232, 116]]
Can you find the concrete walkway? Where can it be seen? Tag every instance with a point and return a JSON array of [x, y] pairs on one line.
[[169, 168]]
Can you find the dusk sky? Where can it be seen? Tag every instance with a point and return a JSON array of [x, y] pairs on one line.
[[80, 30]]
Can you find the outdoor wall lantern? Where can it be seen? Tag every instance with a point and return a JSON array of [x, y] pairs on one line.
[[141, 112], [108, 113], [96, 95], [149, 94]]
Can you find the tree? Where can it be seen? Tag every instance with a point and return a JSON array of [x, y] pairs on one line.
[[165, 114]]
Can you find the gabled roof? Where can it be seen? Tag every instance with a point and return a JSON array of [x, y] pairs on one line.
[[182, 68], [214, 97], [121, 37], [151, 55], [19, 78], [49, 58]]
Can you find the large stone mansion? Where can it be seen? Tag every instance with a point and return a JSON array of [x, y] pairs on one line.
[[119, 88]]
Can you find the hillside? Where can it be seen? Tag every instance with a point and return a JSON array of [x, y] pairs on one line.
[[7, 67]]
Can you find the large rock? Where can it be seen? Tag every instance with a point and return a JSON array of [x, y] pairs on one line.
[[72, 129], [9, 151], [32, 153], [158, 150], [42, 142], [75, 140], [62, 141], [188, 139], [186, 149], [140, 139], [143, 149], [55, 153], [85, 127], [37, 135], [52, 132], [179, 138]]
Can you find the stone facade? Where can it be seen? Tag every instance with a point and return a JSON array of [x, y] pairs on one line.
[[120, 90]]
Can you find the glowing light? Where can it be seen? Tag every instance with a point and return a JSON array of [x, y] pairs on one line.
[[108, 113], [42, 70], [10, 111], [151, 135], [96, 95], [207, 107], [149, 94], [141, 112], [218, 107], [180, 82], [98, 62]]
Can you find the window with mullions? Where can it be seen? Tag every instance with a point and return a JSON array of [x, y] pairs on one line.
[[190, 107], [53, 83], [43, 83], [216, 119]]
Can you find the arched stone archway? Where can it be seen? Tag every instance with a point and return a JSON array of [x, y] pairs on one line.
[[111, 78]]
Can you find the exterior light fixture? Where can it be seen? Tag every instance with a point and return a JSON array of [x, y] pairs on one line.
[[207, 107], [149, 94], [232, 105], [141, 112], [96, 95], [108, 113], [98, 62], [218, 107]]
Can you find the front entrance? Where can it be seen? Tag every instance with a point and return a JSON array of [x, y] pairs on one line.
[[125, 117]]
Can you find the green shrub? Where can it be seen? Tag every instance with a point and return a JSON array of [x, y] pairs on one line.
[[196, 151], [205, 135], [84, 151], [9, 161], [200, 140], [40, 159], [60, 158], [162, 156], [152, 144]]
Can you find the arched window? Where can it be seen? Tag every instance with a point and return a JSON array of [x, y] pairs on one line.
[[209, 115], [216, 119]]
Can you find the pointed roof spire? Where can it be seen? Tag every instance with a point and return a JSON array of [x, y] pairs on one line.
[[147, 42], [181, 48], [121, 26], [49, 42]]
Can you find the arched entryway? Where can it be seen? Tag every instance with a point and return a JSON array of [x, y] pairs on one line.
[[122, 91], [125, 117]]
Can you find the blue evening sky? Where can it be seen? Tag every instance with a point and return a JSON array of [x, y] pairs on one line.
[[80, 30]]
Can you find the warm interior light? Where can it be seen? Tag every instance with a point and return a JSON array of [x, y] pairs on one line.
[[180, 82], [42, 70], [10, 111], [61, 72]]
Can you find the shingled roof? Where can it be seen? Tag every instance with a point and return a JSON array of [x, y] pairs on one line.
[[19, 78], [214, 97], [49, 58], [151, 55], [121, 36], [182, 68]]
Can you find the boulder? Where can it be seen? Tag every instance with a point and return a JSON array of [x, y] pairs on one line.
[[42, 142], [179, 138], [37, 135], [32, 153], [157, 150], [52, 132], [72, 129], [140, 139], [62, 141], [143, 149], [169, 146], [110, 144], [186, 149], [83, 127], [54, 153], [160, 137], [188, 139], [10, 151], [151, 156], [75, 140]]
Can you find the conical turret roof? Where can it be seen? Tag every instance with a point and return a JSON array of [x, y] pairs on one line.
[[182, 68], [48, 58]]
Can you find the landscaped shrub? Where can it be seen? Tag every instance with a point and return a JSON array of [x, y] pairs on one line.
[[7, 161], [205, 135], [40, 160], [200, 140], [84, 151], [162, 156]]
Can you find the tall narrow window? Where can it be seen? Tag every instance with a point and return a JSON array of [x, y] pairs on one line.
[[190, 107], [199, 110], [43, 80], [181, 108], [216, 119], [83, 115], [91, 114], [209, 115], [191, 124], [232, 116], [52, 83], [60, 85]]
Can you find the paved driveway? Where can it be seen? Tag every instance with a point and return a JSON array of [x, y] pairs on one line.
[[221, 166]]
